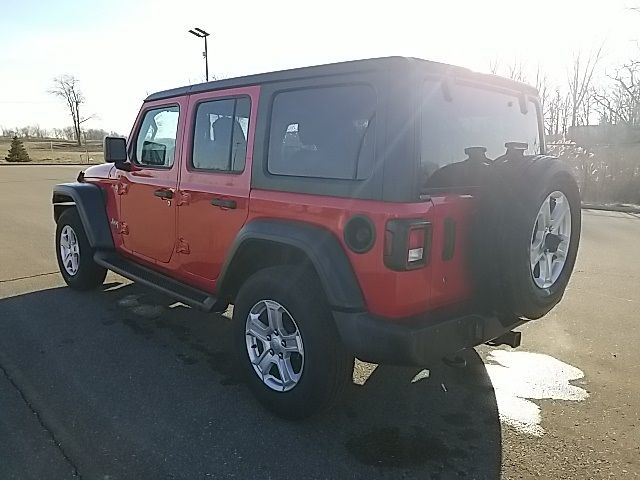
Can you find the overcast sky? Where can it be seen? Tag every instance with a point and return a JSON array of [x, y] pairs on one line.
[[122, 50]]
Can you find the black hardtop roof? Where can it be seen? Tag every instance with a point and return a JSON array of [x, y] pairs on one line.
[[353, 66]]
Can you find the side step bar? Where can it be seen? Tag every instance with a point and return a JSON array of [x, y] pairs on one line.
[[188, 295]]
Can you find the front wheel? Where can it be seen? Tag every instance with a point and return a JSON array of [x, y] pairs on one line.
[[75, 255], [287, 344]]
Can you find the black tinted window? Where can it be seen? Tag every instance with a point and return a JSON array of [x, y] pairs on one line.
[[156, 142], [323, 132], [220, 136]]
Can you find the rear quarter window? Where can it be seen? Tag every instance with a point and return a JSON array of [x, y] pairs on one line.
[[324, 132]]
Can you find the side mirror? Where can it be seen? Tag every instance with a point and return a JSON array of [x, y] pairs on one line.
[[115, 150]]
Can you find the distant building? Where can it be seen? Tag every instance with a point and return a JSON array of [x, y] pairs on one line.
[[590, 135]]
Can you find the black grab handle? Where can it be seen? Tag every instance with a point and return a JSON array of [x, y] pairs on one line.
[[224, 203], [162, 193]]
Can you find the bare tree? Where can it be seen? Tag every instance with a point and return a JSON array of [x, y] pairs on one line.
[[516, 71], [8, 132], [587, 107], [494, 66], [579, 79], [556, 113], [67, 88], [69, 133], [542, 86], [621, 102], [95, 134]]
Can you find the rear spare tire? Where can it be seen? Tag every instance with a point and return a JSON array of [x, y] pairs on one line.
[[527, 235]]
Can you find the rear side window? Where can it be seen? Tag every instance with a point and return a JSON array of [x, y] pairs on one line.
[[156, 142], [323, 132], [220, 135]]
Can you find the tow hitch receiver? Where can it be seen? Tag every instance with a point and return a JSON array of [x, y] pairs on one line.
[[511, 338]]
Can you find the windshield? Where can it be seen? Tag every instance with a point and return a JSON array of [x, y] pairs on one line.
[[456, 117]]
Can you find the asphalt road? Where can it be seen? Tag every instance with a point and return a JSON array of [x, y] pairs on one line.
[[123, 384]]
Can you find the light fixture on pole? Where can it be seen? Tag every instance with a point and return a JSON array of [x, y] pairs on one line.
[[198, 32]]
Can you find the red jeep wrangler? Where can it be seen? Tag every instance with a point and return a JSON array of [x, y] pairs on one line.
[[393, 209]]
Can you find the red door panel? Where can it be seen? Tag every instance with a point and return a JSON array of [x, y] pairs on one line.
[[149, 220], [147, 193], [206, 230]]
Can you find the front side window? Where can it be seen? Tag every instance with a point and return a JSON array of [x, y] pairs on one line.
[[456, 117], [156, 142], [325, 132], [220, 135]]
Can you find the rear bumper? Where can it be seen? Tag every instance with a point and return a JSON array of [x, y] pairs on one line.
[[418, 340]]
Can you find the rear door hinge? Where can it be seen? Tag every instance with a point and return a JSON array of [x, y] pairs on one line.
[[121, 188], [184, 198], [122, 228], [182, 246]]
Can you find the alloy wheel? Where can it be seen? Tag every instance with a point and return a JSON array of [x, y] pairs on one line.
[[550, 240], [69, 250], [274, 345]]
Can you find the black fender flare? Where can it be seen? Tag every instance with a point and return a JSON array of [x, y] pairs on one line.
[[322, 248], [89, 201]]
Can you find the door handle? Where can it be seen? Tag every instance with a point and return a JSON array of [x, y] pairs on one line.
[[164, 193], [224, 203]]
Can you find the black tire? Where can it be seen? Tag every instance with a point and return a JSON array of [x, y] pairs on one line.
[[89, 275], [509, 203], [327, 368]]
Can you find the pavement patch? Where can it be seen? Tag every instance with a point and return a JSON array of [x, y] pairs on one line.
[[520, 377], [395, 447], [129, 301], [148, 311]]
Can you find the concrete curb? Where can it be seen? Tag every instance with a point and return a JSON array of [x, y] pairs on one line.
[[611, 208]]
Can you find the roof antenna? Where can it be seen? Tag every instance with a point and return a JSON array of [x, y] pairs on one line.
[[446, 90], [523, 104]]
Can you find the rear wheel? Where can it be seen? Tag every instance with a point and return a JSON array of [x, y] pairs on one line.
[[75, 255], [287, 344]]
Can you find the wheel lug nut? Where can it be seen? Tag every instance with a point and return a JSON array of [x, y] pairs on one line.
[[280, 355], [284, 344], [268, 338], [270, 352]]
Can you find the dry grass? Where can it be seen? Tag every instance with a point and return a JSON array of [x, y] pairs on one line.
[[56, 151]]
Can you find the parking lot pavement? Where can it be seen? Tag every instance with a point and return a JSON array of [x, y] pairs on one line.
[[123, 383]]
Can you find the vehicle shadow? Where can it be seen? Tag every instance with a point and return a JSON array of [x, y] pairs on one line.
[[138, 386]]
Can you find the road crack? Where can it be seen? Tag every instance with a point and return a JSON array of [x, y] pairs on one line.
[[27, 277], [42, 423]]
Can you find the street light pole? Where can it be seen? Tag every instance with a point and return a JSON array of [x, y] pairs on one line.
[[198, 32], [206, 59]]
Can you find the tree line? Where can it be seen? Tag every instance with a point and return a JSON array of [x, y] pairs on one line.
[[607, 170], [67, 133]]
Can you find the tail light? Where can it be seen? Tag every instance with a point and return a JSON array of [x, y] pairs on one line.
[[415, 252], [407, 244]]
